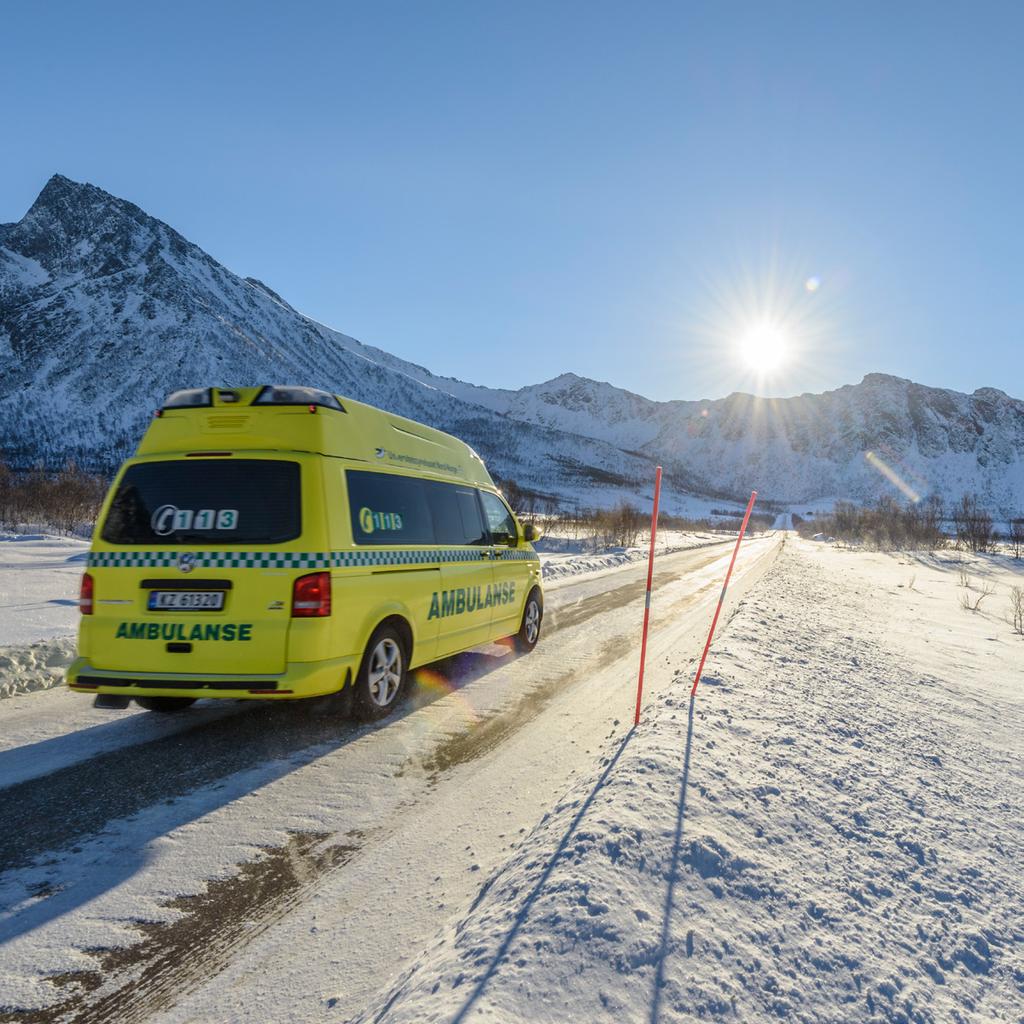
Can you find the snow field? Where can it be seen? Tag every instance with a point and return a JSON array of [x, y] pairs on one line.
[[832, 832], [39, 577]]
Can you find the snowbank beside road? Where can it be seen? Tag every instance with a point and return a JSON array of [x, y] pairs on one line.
[[829, 834], [37, 666], [562, 558]]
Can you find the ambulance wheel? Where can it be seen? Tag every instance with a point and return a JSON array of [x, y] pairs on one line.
[[533, 614], [167, 705], [382, 675]]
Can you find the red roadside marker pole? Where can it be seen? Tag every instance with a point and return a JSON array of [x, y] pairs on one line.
[[647, 600], [725, 586]]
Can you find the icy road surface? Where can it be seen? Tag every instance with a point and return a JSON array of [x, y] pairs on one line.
[[252, 863]]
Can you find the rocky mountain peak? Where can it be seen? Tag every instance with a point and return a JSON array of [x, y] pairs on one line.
[[883, 380], [77, 226]]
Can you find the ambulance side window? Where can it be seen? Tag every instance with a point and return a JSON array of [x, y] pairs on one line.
[[388, 509], [500, 523], [456, 514]]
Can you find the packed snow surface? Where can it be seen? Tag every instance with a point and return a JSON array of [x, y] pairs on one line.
[[412, 813], [832, 831]]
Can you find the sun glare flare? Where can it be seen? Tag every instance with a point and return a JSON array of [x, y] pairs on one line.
[[771, 324], [764, 348]]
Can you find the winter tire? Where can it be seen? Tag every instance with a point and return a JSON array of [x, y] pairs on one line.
[[382, 675], [533, 615]]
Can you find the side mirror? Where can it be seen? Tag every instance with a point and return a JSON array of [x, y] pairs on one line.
[[532, 533]]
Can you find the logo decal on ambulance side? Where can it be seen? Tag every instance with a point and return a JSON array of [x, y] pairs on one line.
[[369, 521]]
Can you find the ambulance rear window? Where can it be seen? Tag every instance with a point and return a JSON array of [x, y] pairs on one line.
[[206, 501]]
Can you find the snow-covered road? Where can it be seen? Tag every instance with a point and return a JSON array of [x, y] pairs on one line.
[[261, 863]]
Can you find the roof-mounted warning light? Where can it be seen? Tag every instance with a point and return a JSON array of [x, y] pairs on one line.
[[188, 398], [227, 397], [274, 394]]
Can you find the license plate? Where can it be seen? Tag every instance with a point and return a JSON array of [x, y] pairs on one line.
[[186, 600]]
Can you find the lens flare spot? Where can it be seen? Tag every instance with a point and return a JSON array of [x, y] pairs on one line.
[[876, 462], [813, 283], [435, 686]]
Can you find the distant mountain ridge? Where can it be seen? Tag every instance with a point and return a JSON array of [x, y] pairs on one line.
[[104, 309]]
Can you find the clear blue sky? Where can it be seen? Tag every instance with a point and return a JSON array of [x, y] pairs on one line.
[[508, 191]]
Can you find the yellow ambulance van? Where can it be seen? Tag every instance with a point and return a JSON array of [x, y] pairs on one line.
[[281, 542]]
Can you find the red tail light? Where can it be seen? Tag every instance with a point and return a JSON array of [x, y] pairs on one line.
[[85, 595], [311, 596]]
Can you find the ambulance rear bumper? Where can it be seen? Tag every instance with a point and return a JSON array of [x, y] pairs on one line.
[[300, 679]]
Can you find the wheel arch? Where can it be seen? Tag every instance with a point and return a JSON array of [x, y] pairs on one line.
[[403, 627]]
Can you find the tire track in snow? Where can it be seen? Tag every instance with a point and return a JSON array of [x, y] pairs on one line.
[[129, 983]]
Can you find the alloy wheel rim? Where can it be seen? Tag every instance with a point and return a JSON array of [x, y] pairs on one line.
[[385, 673], [532, 621]]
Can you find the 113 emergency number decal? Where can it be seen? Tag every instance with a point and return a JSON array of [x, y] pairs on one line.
[[370, 520], [169, 519]]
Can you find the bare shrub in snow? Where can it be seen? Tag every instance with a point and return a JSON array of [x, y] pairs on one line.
[[618, 527], [67, 501], [975, 530], [1015, 535], [972, 602], [1016, 616], [886, 526]]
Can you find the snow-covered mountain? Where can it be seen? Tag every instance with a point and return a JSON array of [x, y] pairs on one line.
[[103, 309], [885, 434]]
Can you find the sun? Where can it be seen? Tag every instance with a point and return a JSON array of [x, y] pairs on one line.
[[763, 347]]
